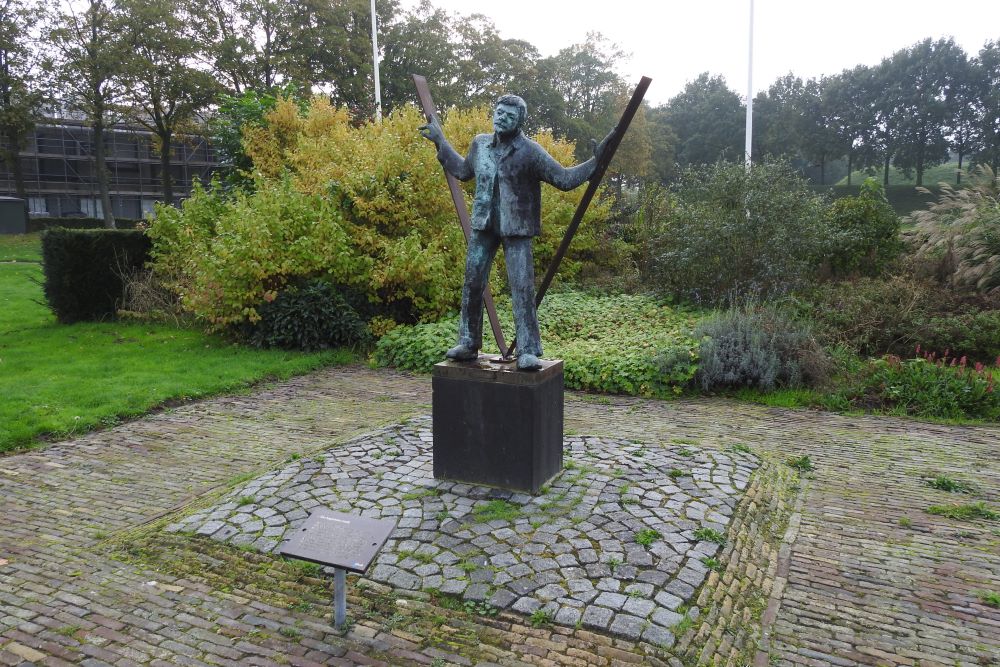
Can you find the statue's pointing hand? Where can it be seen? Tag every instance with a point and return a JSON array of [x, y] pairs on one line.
[[432, 131], [599, 148]]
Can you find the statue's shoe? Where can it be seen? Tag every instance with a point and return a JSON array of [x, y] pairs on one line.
[[528, 362], [462, 353]]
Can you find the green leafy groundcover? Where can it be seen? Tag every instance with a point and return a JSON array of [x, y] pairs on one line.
[[626, 344]]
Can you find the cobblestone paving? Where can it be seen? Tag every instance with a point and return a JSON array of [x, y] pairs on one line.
[[867, 576], [570, 552]]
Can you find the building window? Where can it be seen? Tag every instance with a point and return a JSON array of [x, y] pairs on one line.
[[37, 206], [91, 207]]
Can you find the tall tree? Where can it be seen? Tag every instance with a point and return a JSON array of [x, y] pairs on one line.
[[778, 119], [578, 90], [989, 96], [853, 119], [708, 120], [419, 42], [879, 95], [20, 94], [166, 90], [239, 40], [965, 111], [818, 137], [664, 143], [922, 80], [326, 45], [488, 65], [90, 59]]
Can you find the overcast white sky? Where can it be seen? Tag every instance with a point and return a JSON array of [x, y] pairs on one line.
[[673, 41]]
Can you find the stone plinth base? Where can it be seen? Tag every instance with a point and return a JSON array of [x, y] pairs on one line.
[[498, 426]]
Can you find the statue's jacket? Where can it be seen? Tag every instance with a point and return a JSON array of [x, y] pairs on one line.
[[513, 171]]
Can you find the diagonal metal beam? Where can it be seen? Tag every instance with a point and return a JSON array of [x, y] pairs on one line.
[[427, 104], [595, 181]]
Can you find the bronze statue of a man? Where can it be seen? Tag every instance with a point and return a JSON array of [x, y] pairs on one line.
[[509, 169]]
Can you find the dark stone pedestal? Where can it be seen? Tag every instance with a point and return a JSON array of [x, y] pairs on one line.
[[498, 426]]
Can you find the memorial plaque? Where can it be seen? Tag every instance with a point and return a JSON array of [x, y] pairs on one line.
[[338, 540]]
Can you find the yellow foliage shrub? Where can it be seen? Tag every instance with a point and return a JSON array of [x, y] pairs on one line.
[[365, 205]]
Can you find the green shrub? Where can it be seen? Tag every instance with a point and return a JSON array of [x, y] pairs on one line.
[[416, 348], [931, 386], [893, 315], [862, 233], [735, 231], [973, 334], [612, 343], [85, 270], [226, 257], [758, 345], [312, 317]]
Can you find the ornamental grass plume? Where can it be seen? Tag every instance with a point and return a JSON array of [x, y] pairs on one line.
[[961, 232]]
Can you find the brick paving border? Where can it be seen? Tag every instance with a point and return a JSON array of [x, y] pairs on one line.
[[870, 578]]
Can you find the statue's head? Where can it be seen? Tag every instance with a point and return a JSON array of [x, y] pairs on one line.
[[509, 114]]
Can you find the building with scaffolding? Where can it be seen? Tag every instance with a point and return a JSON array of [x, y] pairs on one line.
[[60, 179]]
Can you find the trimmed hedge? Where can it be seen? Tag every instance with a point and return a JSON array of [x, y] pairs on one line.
[[85, 270], [41, 224]]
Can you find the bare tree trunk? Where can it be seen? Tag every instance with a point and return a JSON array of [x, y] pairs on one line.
[[18, 173], [885, 170], [12, 158], [100, 166], [958, 174], [850, 166]]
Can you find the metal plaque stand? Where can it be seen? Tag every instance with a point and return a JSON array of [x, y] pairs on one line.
[[344, 542], [339, 598]]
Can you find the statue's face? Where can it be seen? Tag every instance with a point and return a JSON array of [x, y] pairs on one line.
[[505, 118]]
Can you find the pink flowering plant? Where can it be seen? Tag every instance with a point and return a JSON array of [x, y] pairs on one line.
[[940, 386]]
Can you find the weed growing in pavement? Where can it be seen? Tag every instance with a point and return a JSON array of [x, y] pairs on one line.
[[967, 512], [945, 483], [479, 608], [800, 463], [711, 563], [647, 536], [705, 534], [496, 510], [421, 493], [540, 617], [905, 522], [989, 598]]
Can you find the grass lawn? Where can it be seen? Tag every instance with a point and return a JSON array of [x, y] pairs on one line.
[[932, 175], [20, 247], [59, 380]]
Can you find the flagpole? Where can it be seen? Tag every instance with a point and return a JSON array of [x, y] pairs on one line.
[[749, 129], [378, 91]]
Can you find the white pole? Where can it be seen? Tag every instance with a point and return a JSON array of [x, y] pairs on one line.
[[378, 90], [749, 130]]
